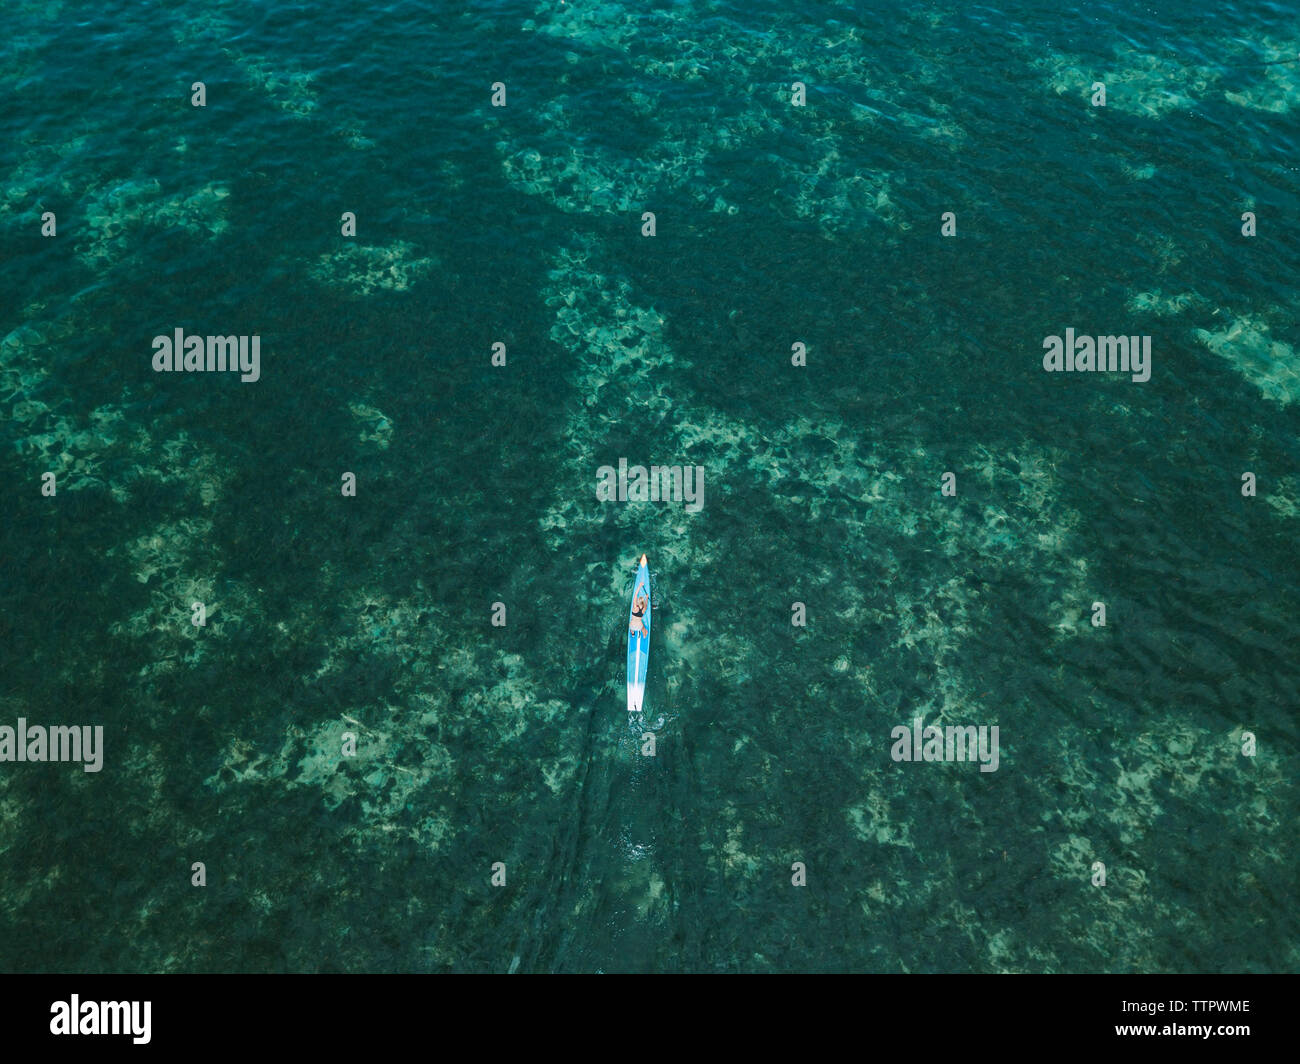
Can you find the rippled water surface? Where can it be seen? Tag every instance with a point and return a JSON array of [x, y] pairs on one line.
[[776, 225]]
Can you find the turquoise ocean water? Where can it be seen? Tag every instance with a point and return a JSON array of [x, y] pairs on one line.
[[775, 225]]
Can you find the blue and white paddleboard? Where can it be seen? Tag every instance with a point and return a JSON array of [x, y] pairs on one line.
[[638, 642]]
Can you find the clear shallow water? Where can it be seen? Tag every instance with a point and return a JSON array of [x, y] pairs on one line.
[[521, 224]]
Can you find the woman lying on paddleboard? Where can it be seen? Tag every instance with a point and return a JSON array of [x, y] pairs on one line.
[[637, 624]]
